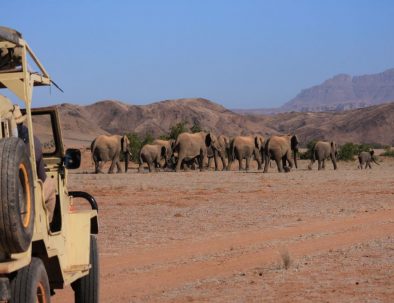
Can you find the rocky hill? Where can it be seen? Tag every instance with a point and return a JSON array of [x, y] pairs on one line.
[[81, 124], [339, 93], [372, 124]]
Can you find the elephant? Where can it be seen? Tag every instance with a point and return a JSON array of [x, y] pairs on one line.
[[109, 148], [279, 148], [222, 151], [244, 147], [152, 154], [190, 146], [323, 150], [169, 145], [367, 158]]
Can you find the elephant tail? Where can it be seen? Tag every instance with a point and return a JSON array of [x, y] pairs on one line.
[[374, 160], [176, 145], [140, 158], [232, 150], [313, 153], [92, 150]]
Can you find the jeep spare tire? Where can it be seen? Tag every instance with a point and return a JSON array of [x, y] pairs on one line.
[[16, 197]]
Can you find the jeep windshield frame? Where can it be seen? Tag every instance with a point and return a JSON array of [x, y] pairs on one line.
[[19, 79]]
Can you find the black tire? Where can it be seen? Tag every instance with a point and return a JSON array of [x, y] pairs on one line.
[[16, 197], [30, 284], [86, 289]]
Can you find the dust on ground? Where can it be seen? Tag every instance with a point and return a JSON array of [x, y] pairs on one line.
[[303, 236]]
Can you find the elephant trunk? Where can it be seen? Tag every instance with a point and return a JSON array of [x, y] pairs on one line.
[[126, 161], [335, 164], [295, 157]]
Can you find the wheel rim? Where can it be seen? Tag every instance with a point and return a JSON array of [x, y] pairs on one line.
[[41, 296], [25, 196]]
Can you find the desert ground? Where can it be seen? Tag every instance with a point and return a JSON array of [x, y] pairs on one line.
[[303, 236]]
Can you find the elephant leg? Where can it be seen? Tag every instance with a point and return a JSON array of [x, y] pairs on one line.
[[215, 158], [319, 163], [111, 168], [324, 164], [334, 162], [209, 162], [230, 163], [150, 166], [266, 163], [259, 161], [223, 162], [119, 169], [288, 159], [284, 163], [96, 167], [247, 160], [239, 163], [185, 166], [179, 163], [279, 164], [259, 165], [100, 167], [201, 161]]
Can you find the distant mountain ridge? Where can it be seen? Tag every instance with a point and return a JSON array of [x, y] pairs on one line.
[[341, 92], [345, 92], [81, 124]]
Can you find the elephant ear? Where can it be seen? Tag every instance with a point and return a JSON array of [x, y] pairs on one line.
[[294, 142], [172, 143], [124, 143], [227, 142], [163, 151], [332, 144], [257, 142], [208, 139]]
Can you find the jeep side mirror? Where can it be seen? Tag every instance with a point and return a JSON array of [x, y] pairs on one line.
[[72, 159]]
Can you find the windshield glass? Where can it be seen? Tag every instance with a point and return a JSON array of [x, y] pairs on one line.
[[42, 126]]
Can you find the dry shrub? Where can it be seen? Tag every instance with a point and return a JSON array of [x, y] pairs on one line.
[[285, 256]]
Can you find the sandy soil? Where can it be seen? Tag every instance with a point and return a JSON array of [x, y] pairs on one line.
[[304, 236]]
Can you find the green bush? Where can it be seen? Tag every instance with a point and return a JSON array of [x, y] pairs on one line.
[[364, 147], [196, 128], [348, 151], [177, 129], [308, 154], [388, 152], [137, 142]]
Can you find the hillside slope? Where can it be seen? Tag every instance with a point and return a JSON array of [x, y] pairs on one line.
[[81, 124]]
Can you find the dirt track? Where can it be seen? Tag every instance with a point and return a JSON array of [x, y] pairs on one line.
[[224, 236]]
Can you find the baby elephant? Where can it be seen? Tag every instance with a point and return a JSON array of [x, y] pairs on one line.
[[152, 154], [367, 158]]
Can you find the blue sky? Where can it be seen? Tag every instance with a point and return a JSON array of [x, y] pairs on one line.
[[242, 54]]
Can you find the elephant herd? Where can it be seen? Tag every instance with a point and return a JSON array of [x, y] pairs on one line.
[[191, 149]]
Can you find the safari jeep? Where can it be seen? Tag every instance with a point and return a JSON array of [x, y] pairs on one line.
[[36, 256]]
